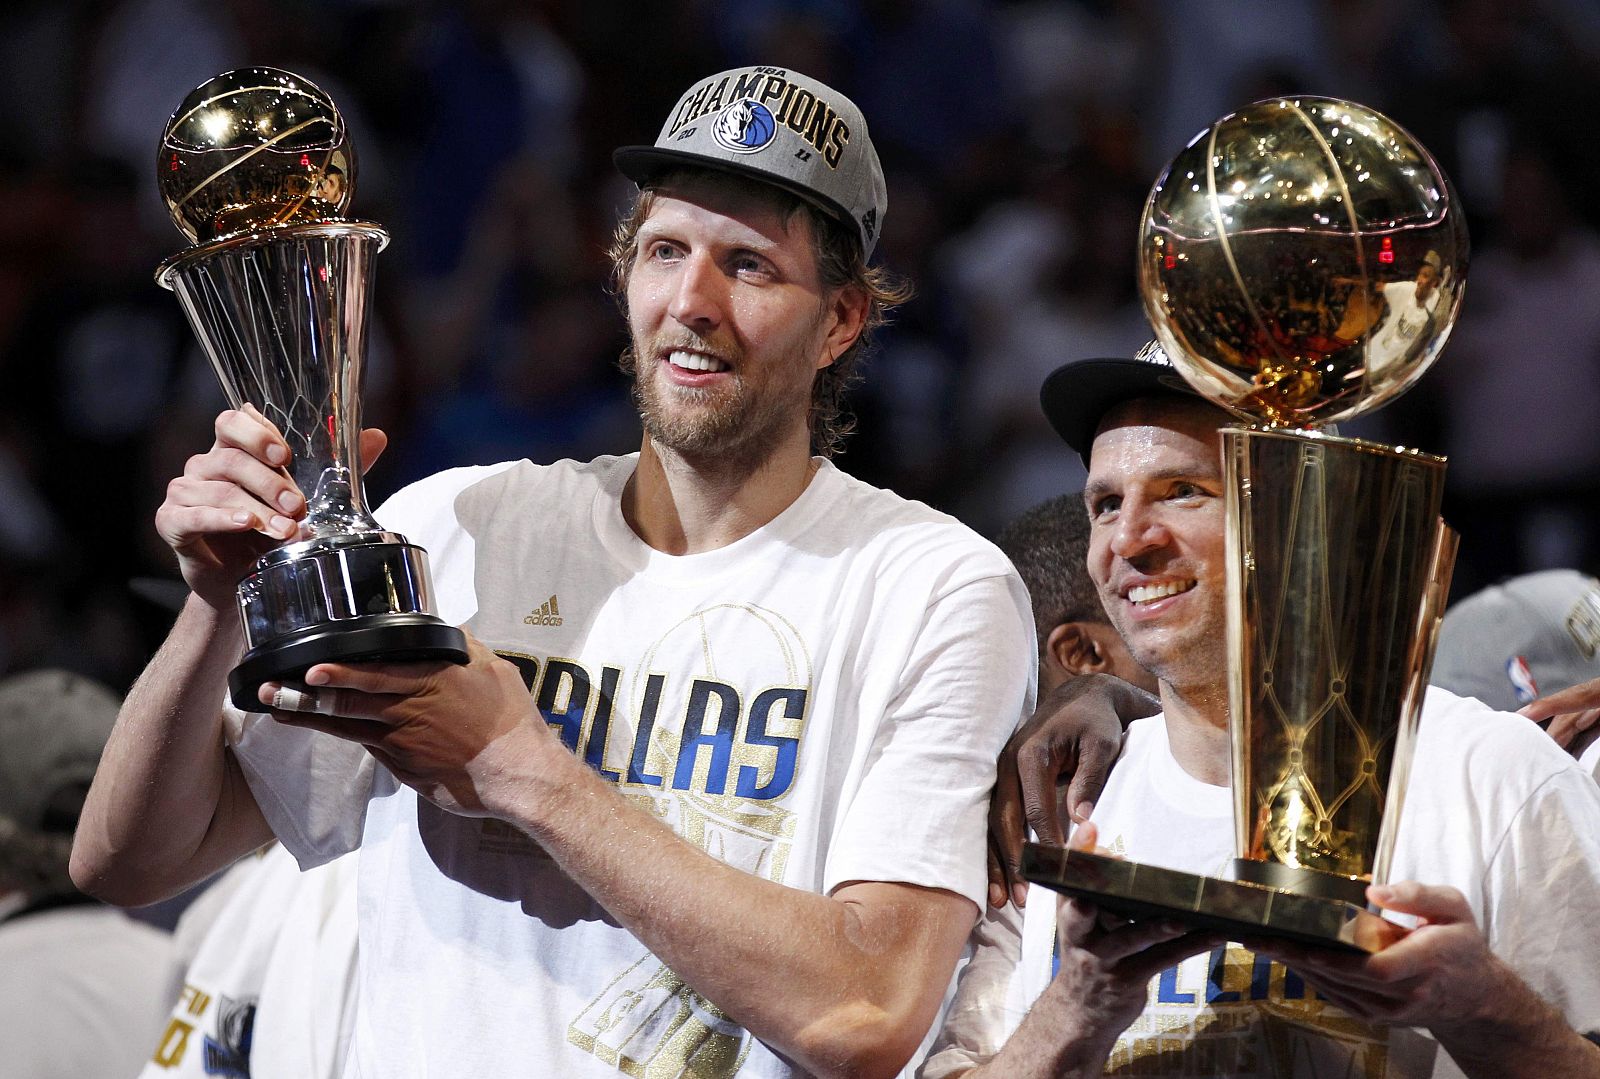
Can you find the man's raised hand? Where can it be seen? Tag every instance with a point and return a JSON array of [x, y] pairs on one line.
[[235, 502]]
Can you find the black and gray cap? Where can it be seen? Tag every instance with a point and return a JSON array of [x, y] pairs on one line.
[[778, 126], [1077, 395]]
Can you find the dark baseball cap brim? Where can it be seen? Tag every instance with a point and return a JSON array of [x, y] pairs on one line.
[[1076, 396], [645, 164]]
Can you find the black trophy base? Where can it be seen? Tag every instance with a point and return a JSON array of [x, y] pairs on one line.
[[1237, 908], [387, 638]]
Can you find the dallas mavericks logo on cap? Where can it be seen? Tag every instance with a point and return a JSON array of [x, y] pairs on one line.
[[745, 127]]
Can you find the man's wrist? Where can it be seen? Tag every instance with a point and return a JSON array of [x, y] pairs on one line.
[[1513, 1032], [219, 628], [217, 616], [1085, 1046], [1067, 1036], [523, 773], [1079, 1055]]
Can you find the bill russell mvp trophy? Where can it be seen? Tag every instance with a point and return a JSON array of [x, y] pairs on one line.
[[1302, 261], [256, 168]]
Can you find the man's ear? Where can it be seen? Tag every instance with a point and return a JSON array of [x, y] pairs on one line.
[[849, 311], [1073, 647]]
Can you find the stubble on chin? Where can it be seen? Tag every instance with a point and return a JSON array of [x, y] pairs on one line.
[[695, 424], [731, 429], [719, 430], [1186, 657]]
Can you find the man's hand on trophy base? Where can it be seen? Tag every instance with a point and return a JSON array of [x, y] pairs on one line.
[[1439, 975], [447, 731], [1055, 766], [235, 502], [1107, 961]]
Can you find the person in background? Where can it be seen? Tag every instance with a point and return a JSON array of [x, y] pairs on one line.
[[1521, 644], [1049, 544], [1080, 654], [269, 962], [83, 987]]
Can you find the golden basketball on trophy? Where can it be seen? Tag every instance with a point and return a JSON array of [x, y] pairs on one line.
[[251, 149], [1302, 262]]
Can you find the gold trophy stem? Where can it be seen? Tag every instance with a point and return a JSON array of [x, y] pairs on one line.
[[1334, 547], [1446, 543]]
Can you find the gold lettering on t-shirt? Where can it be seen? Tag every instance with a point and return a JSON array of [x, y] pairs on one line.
[[173, 1044], [1231, 1012]]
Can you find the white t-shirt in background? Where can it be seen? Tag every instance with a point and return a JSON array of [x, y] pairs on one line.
[[269, 986], [83, 989]]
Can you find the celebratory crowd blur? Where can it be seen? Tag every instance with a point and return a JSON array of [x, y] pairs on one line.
[[1020, 139]]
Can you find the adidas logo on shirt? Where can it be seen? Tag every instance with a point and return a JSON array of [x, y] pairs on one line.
[[548, 614]]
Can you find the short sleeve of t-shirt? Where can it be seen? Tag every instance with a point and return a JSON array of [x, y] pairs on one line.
[[966, 685], [311, 787]]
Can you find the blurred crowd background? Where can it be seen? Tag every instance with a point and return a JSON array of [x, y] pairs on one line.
[[1020, 139]]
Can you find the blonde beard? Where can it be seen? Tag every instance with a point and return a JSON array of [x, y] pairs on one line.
[[734, 429]]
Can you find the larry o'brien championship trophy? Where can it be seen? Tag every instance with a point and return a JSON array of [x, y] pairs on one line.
[[257, 168], [1302, 262]]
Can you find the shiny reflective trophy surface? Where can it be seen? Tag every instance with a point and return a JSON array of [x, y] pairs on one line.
[[257, 168], [1302, 262]]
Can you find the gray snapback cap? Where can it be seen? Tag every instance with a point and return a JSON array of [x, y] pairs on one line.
[[53, 726], [778, 126], [1524, 638]]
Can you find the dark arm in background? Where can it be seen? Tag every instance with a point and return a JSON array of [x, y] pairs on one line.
[[1071, 739]]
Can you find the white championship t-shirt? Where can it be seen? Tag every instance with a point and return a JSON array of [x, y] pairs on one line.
[[820, 702], [1493, 808]]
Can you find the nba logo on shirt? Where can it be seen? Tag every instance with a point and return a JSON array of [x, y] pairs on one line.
[[1522, 683]]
